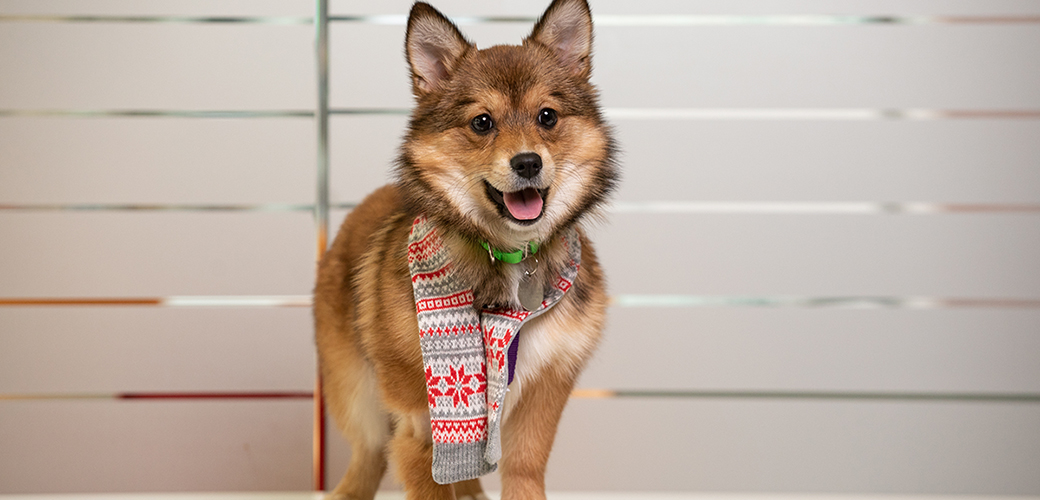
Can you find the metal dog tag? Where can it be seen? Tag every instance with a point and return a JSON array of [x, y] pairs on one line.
[[530, 293]]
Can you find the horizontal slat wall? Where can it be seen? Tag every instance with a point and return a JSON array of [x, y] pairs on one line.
[[55, 159], [112, 160], [953, 255], [105, 447], [981, 161], [798, 446], [271, 160], [462, 8], [174, 66], [762, 66], [817, 67], [966, 161], [792, 445], [273, 8], [97, 351], [827, 110], [148, 254], [828, 350]]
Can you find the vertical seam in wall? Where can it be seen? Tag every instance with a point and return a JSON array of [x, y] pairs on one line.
[[321, 212]]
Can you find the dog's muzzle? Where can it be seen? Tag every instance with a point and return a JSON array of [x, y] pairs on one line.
[[526, 165]]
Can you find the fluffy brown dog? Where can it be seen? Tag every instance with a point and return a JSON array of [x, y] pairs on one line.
[[506, 147]]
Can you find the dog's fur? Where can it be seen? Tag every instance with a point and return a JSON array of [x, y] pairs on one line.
[[365, 316]]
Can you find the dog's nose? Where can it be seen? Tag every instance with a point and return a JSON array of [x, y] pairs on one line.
[[526, 165]]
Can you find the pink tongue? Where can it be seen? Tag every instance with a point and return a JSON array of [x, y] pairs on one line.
[[524, 205]]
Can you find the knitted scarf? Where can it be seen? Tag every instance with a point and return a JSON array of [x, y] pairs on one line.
[[465, 354]]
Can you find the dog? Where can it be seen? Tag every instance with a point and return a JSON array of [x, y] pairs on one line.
[[506, 157]]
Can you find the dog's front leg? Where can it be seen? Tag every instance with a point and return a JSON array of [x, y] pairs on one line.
[[411, 450], [528, 434]]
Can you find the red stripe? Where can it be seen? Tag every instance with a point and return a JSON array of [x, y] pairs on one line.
[[509, 313], [463, 298], [216, 395], [424, 248], [563, 285], [438, 274], [460, 431], [455, 330]]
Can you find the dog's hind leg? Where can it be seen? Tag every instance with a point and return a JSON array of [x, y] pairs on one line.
[[367, 427], [352, 399], [363, 475], [469, 490]]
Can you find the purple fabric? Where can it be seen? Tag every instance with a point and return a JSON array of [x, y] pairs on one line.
[[511, 356]]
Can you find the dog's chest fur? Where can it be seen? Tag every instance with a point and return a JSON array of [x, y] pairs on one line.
[[497, 285], [550, 340]]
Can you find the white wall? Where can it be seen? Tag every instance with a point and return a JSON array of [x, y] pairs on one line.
[[710, 434]]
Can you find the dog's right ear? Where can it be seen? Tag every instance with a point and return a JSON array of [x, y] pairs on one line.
[[434, 46], [566, 28]]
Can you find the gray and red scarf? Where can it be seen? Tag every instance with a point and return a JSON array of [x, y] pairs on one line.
[[469, 355]]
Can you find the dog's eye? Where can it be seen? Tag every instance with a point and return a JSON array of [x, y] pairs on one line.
[[547, 117], [482, 124]]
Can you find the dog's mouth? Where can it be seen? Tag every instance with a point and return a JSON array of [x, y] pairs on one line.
[[523, 207]]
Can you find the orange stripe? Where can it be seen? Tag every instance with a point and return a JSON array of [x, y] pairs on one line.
[[215, 395], [981, 207], [593, 393], [318, 437], [989, 19], [990, 113], [991, 303]]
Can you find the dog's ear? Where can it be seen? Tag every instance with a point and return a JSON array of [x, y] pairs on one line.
[[433, 45], [566, 28]]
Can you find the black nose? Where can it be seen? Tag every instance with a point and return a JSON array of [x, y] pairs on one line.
[[526, 165]]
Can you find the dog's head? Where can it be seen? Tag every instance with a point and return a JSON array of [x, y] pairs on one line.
[[506, 143]]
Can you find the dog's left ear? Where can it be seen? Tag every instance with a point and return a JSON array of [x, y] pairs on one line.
[[566, 28]]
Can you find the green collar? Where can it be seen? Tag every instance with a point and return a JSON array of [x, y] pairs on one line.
[[514, 257]]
